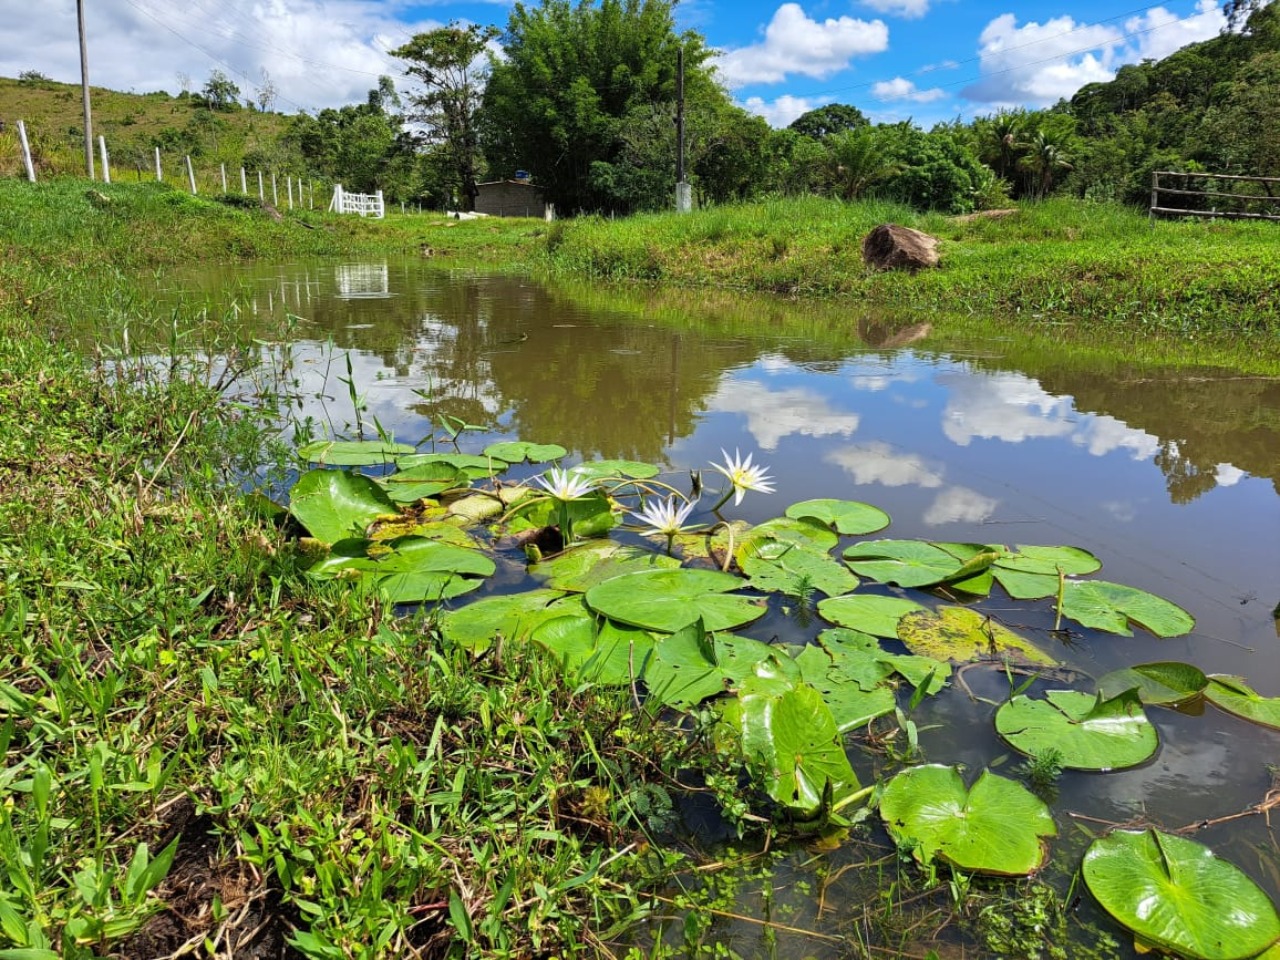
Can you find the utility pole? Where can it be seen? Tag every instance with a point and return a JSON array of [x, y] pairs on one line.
[[84, 87], [684, 196]]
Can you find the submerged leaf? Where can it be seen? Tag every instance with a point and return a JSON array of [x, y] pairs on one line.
[[1178, 895], [995, 827], [1089, 733], [961, 634]]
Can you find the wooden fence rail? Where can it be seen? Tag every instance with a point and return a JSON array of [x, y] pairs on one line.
[[1219, 200]]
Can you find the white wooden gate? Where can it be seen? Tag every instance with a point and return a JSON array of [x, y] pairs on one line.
[[365, 204]]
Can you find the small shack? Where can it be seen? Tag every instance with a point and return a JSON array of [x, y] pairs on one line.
[[510, 198]]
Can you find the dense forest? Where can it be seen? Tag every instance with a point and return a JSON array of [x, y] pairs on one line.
[[584, 98]]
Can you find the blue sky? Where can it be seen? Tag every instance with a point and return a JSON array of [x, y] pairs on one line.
[[927, 60]]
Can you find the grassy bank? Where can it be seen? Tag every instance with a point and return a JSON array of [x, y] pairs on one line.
[[203, 751], [1062, 262]]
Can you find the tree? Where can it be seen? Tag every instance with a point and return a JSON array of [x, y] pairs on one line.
[[450, 64], [825, 121], [219, 92], [267, 92], [859, 160], [1042, 159], [558, 103]]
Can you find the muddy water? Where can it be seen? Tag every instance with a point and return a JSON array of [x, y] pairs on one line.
[[1169, 475]]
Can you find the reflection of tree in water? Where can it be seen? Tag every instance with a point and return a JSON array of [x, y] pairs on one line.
[[1184, 479], [1202, 418]]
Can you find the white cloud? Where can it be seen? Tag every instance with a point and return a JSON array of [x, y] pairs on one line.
[[1102, 434], [1229, 476], [781, 112], [319, 53], [900, 88], [1122, 511], [795, 44], [908, 9], [960, 505], [1159, 33], [774, 414], [1036, 64], [880, 463]]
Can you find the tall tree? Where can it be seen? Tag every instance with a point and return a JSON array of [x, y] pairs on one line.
[[824, 121], [573, 76], [451, 65]]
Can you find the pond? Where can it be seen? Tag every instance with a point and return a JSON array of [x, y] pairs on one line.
[[1168, 475]]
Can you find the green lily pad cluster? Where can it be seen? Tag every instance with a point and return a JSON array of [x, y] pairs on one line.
[[621, 611]]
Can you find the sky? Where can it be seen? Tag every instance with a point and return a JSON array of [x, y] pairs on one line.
[[923, 60]]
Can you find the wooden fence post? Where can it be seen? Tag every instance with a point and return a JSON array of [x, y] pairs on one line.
[[262, 197], [191, 176], [223, 167], [106, 167], [244, 184], [159, 171], [26, 152], [290, 190], [275, 197]]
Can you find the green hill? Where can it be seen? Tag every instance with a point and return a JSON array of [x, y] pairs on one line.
[[134, 125]]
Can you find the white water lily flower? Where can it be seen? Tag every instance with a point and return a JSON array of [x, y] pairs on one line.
[[743, 475], [664, 516], [565, 485]]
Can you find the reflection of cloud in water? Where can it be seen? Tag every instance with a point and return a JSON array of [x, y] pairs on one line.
[[1003, 406], [1013, 408], [774, 414], [1229, 476], [960, 505], [1123, 511], [880, 463], [1101, 435]]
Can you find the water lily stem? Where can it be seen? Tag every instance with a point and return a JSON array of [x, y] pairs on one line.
[[1062, 587], [852, 798]]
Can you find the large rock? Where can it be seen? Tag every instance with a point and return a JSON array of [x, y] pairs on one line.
[[892, 247]]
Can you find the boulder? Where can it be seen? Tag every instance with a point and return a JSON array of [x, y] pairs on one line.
[[893, 247]]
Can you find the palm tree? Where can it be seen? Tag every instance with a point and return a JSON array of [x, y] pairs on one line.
[[859, 160], [1000, 141], [1043, 158]]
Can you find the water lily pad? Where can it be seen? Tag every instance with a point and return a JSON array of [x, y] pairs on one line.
[[996, 827], [353, 453], [851, 683], [1179, 896], [701, 546], [584, 565], [791, 738], [1113, 606], [430, 529], [667, 600], [917, 563], [409, 569], [847, 516], [471, 466], [776, 566], [869, 613], [336, 505], [517, 451], [422, 481], [1158, 683], [1090, 733], [806, 533], [607, 653], [608, 469], [1235, 696], [961, 634], [683, 671], [476, 508], [478, 624], [1031, 573], [591, 516], [850, 650]]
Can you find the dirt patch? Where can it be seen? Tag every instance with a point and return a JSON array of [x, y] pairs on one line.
[[254, 922]]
